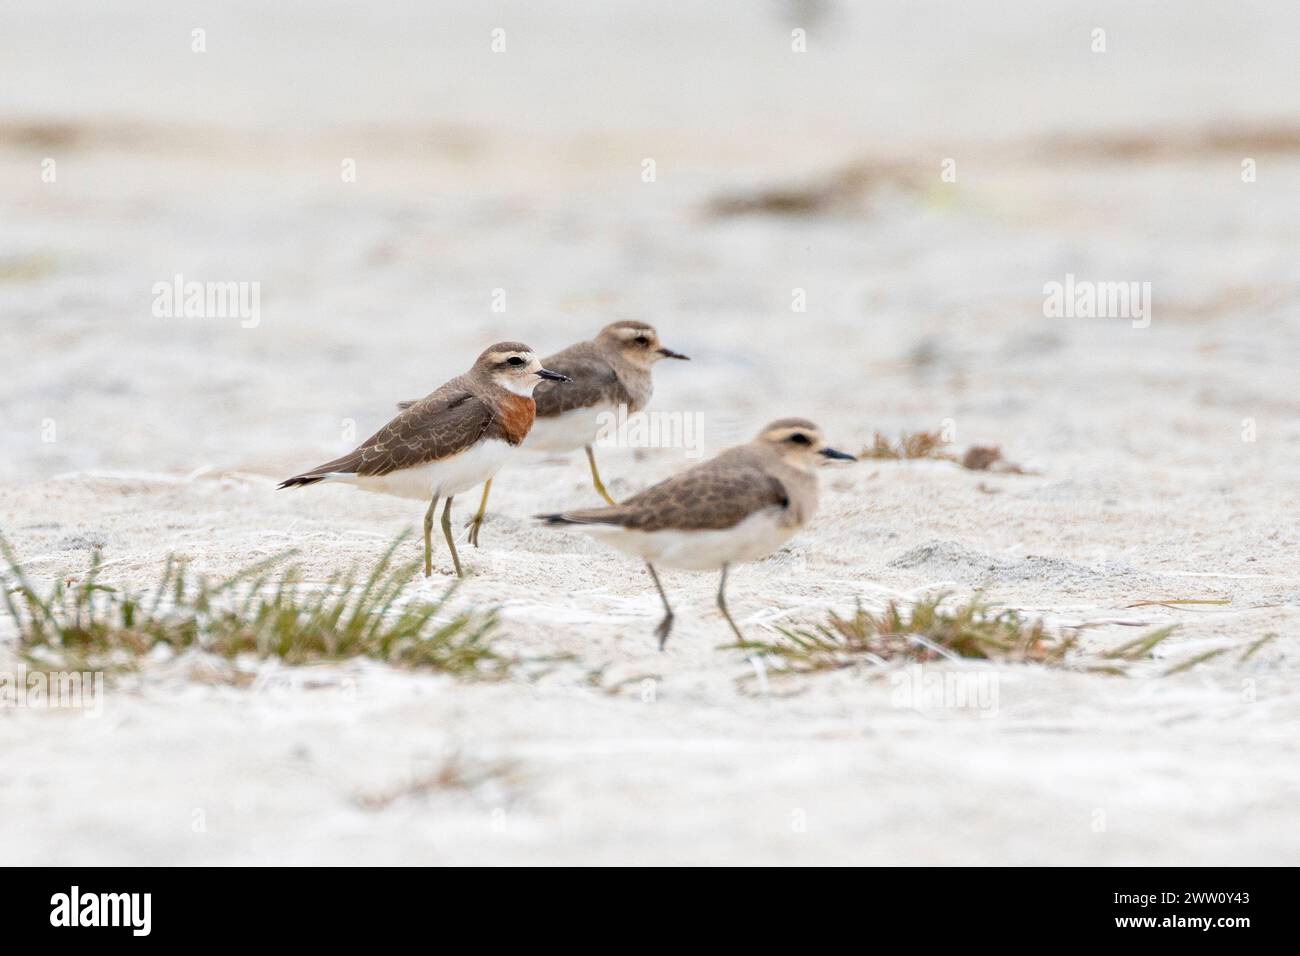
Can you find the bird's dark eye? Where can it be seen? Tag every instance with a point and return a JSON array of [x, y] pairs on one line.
[[799, 438], [514, 360], [641, 340]]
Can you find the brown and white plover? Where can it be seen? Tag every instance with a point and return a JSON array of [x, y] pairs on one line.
[[454, 438], [740, 506], [606, 372]]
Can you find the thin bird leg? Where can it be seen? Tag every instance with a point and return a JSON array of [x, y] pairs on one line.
[[446, 533], [666, 624], [595, 477], [722, 605], [477, 521], [428, 537]]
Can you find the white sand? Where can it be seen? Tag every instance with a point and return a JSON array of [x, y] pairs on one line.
[[922, 306]]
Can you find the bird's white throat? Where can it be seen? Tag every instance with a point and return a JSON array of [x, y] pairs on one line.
[[519, 386]]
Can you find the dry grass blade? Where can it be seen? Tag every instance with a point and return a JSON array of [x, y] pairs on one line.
[[254, 611], [1174, 602], [1255, 646], [1140, 647], [453, 774], [1192, 662]]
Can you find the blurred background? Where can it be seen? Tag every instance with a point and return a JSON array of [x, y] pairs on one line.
[[692, 165]]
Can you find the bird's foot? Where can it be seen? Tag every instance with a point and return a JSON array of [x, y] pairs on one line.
[[664, 629], [474, 524]]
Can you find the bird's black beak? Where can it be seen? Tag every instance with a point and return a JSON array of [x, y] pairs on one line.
[[669, 353], [836, 455], [547, 374]]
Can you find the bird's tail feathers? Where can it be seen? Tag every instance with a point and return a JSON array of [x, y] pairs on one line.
[[300, 480], [339, 467], [584, 516]]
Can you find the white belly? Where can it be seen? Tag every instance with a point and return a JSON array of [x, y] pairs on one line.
[[756, 537], [568, 431], [441, 479]]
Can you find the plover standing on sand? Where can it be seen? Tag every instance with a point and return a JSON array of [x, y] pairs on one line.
[[740, 506], [454, 438], [609, 371]]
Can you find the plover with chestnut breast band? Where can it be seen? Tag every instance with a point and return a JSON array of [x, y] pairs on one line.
[[740, 506], [454, 438], [607, 372]]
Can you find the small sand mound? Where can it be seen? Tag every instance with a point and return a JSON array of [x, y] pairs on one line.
[[954, 561]]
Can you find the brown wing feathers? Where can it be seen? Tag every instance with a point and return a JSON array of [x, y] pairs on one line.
[[443, 424], [593, 382], [706, 498]]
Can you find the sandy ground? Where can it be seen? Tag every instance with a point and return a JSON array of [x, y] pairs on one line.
[[1165, 457]]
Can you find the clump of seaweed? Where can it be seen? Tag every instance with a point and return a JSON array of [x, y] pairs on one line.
[[908, 446], [845, 191], [931, 445], [257, 611], [990, 458]]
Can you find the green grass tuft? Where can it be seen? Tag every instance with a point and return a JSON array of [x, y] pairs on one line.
[[927, 631], [931, 630], [257, 611]]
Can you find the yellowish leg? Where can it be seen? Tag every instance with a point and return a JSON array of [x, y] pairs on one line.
[[451, 543], [595, 477], [428, 538], [477, 521], [722, 606]]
